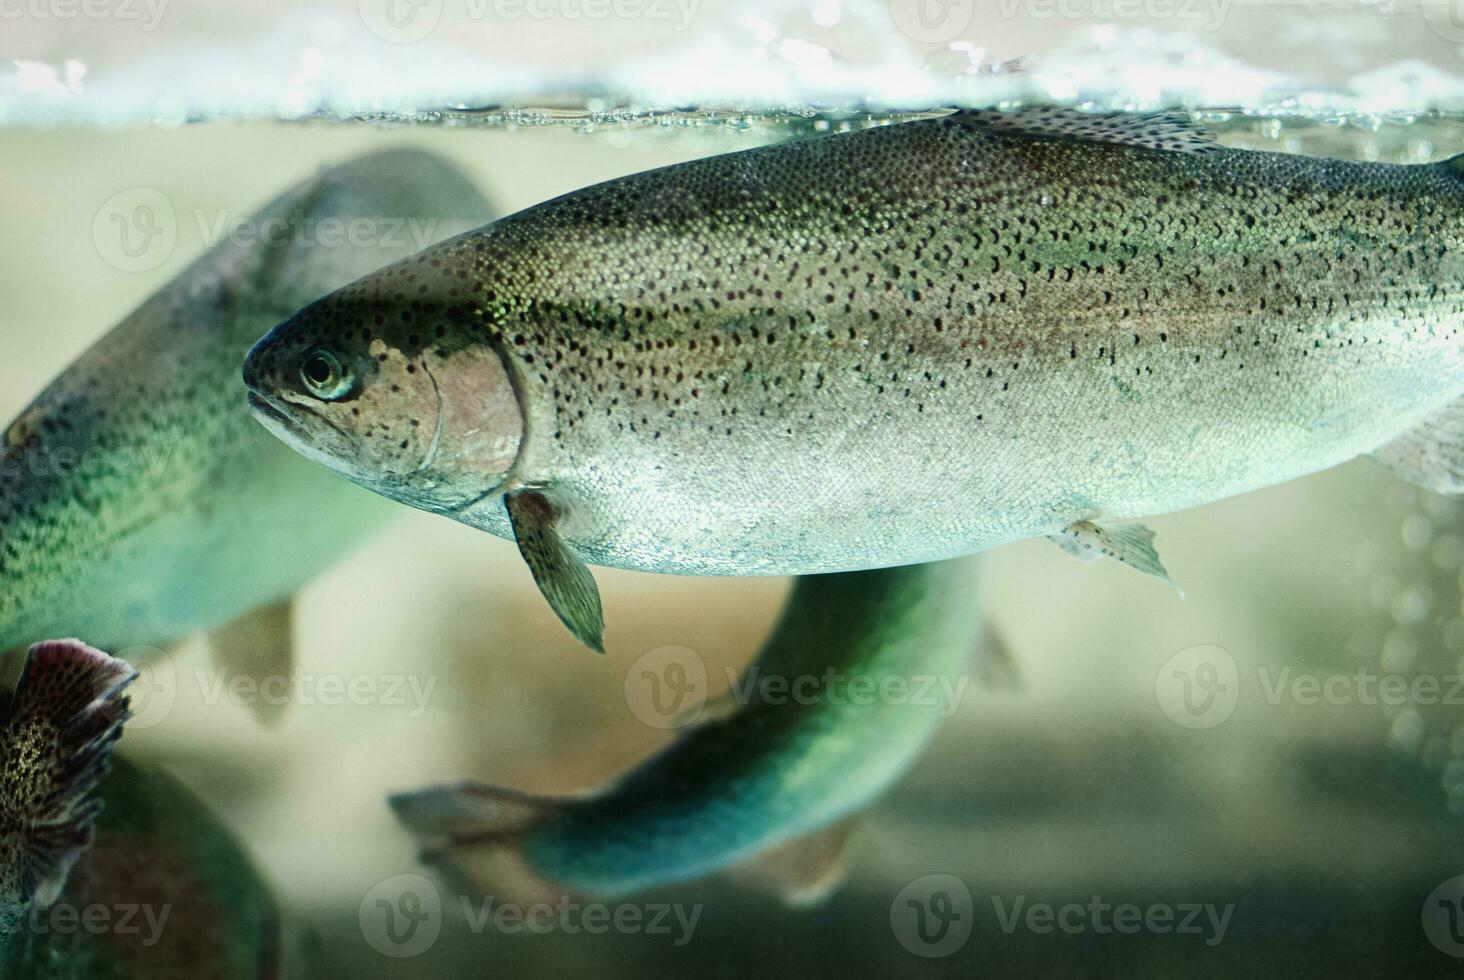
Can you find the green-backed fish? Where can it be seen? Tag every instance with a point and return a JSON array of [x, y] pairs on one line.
[[139, 501], [844, 694], [893, 346], [110, 871]]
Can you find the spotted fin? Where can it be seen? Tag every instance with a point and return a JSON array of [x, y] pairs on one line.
[[1175, 131], [469, 833], [1431, 454], [1131, 544], [258, 645], [807, 870], [63, 720], [562, 577]]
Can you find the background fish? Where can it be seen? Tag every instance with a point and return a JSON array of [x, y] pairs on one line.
[[55, 744], [760, 772], [139, 502], [893, 346], [110, 871]]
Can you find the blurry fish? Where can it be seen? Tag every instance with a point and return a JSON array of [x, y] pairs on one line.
[[139, 475], [55, 743], [873, 661], [894, 346], [162, 893]]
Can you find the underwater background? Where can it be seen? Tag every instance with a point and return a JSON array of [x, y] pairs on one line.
[[1285, 742]]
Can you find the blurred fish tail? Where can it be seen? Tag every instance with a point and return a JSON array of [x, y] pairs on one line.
[[471, 834]]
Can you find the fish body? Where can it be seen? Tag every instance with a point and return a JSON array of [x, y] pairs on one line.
[[896, 346], [843, 696], [139, 501]]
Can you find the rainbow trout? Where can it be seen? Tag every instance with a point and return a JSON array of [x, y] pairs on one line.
[[893, 346], [139, 502], [842, 698], [110, 871]]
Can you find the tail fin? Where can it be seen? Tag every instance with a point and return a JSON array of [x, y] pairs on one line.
[[55, 743], [471, 834]]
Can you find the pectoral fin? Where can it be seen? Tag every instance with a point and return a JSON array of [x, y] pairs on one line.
[[63, 721], [1132, 544], [562, 577], [258, 645], [1431, 454], [807, 870]]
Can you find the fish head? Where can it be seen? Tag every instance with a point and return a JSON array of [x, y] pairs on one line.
[[400, 395]]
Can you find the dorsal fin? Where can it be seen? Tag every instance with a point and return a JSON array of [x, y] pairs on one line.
[[1175, 131]]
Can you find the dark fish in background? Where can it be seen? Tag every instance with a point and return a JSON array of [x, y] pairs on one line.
[[878, 658], [138, 475], [893, 346], [110, 871], [55, 743]]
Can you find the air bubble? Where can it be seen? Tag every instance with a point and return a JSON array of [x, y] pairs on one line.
[[1448, 552], [1418, 532], [1407, 729], [1411, 606], [1400, 650]]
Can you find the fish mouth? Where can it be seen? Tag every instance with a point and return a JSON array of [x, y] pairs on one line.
[[276, 419], [287, 427]]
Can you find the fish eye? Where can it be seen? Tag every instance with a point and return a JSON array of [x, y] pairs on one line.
[[323, 374]]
